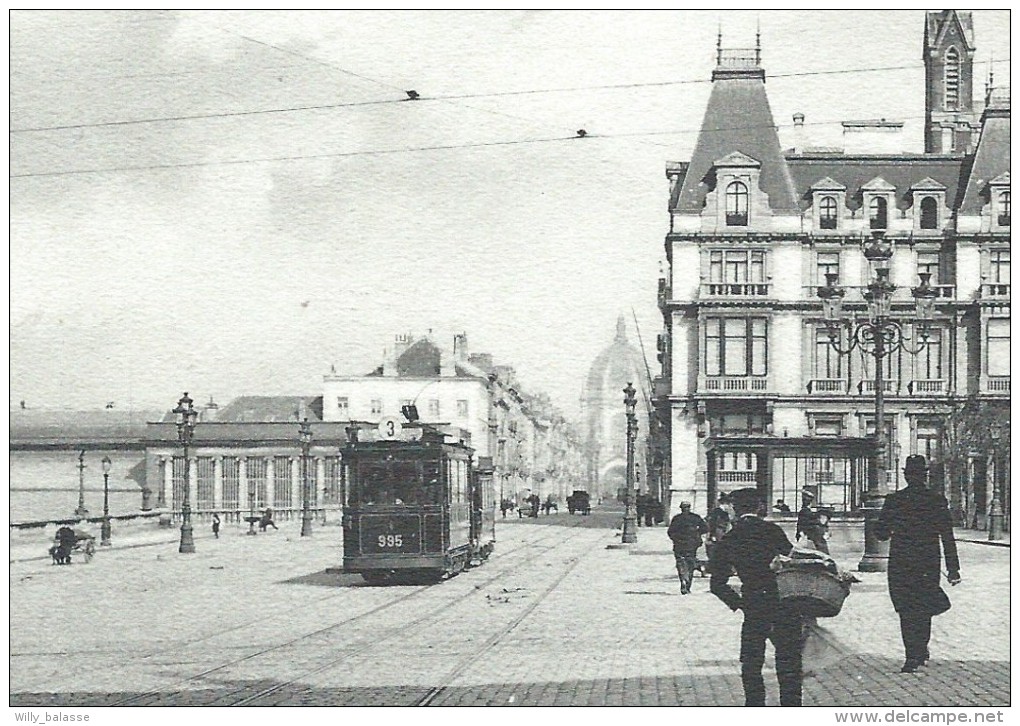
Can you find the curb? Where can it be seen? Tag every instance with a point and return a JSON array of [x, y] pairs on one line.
[[990, 543]]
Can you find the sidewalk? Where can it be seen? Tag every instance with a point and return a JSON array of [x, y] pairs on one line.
[[576, 625]]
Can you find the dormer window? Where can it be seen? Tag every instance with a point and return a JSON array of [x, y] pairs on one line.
[[736, 204], [952, 79], [1003, 215], [929, 213], [878, 213], [828, 213]]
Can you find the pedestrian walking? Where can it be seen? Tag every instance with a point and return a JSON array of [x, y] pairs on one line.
[[686, 530], [640, 505], [216, 525], [718, 525], [810, 524], [749, 549], [651, 510], [915, 519]]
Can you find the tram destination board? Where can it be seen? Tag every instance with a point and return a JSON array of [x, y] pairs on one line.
[[390, 534]]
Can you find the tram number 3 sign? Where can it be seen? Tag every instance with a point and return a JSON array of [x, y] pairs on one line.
[[389, 427], [390, 540]]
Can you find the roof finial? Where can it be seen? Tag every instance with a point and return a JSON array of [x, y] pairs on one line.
[[757, 40], [718, 46]]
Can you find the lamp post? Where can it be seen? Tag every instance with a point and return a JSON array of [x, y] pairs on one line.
[[187, 417], [80, 511], [995, 512], [305, 434], [104, 539], [879, 337], [629, 516]]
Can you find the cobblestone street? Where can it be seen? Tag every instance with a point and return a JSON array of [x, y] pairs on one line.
[[554, 618]]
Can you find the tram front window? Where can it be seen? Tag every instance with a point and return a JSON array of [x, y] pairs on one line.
[[389, 483]]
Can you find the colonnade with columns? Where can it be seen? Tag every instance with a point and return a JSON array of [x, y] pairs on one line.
[[279, 486]]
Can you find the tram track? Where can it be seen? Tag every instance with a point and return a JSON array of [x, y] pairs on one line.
[[466, 661], [139, 698]]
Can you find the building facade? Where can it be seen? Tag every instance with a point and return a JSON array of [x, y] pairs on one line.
[[752, 393]]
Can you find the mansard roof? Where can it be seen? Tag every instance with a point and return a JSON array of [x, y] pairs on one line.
[[265, 409], [738, 118], [991, 160], [900, 174]]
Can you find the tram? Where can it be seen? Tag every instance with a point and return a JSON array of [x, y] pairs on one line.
[[415, 507]]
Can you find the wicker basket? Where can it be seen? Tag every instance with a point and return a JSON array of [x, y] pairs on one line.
[[812, 591]]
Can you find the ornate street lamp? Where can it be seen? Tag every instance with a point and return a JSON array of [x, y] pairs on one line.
[[187, 417], [879, 336], [629, 517], [104, 539], [995, 512], [80, 511], [305, 434]]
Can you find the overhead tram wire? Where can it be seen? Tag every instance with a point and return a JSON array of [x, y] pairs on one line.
[[382, 152], [268, 160], [425, 98]]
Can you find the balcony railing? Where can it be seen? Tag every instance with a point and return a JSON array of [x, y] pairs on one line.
[[995, 290], [744, 476], [926, 387], [735, 289], [867, 387], [733, 384], [827, 385], [736, 219], [945, 291], [997, 385]]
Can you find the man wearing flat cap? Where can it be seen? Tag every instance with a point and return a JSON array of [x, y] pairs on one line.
[[809, 523], [749, 549], [915, 519]]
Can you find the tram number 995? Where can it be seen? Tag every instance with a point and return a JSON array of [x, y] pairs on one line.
[[390, 540]]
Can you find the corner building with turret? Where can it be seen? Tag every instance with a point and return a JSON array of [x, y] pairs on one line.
[[751, 391]]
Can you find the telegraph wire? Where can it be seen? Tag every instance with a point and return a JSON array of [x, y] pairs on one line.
[[426, 98], [379, 152], [338, 155]]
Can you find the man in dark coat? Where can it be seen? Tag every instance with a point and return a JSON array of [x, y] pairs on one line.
[[749, 549], [809, 523], [916, 518], [686, 530], [639, 507], [718, 525]]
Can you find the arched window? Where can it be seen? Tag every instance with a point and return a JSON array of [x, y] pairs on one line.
[[929, 213], [827, 213], [878, 212], [952, 78], [736, 205], [1004, 209]]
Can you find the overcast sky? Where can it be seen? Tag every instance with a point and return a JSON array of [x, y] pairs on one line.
[[180, 261]]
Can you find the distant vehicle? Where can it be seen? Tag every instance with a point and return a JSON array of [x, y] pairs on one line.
[[579, 501]]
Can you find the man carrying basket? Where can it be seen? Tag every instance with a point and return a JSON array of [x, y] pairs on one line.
[[749, 549]]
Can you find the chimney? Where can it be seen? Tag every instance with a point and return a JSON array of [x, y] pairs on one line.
[[460, 349], [799, 142], [400, 344], [481, 360], [872, 137], [210, 410], [302, 410]]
